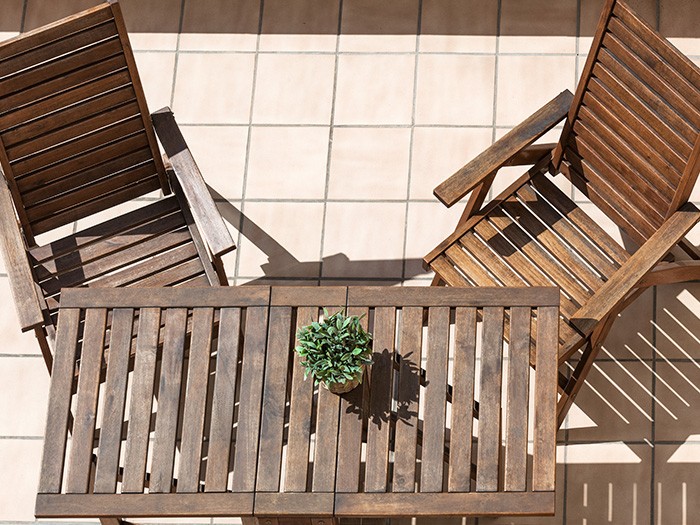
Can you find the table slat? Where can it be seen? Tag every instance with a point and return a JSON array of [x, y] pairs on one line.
[[115, 397]]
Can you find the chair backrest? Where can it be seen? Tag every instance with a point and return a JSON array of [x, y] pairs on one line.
[[631, 140], [75, 132]]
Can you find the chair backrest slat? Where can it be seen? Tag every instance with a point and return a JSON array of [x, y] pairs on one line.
[[75, 133], [631, 139]]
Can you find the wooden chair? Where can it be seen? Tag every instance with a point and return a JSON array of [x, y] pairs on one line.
[[76, 138], [631, 144]]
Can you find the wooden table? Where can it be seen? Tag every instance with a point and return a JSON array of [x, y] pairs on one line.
[[191, 402]]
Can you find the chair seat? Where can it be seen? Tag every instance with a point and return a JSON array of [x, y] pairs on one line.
[[150, 246], [533, 236]]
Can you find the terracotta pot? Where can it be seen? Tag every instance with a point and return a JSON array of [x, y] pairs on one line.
[[343, 388]]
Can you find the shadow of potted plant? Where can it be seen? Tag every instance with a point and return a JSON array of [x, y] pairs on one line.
[[335, 351]]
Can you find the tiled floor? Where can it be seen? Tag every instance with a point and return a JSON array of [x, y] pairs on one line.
[[322, 127]]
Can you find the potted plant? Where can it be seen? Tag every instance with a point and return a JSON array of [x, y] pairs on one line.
[[335, 351]]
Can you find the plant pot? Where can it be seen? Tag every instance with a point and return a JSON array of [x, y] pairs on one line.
[[344, 388]]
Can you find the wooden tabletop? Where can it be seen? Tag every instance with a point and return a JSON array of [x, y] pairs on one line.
[[194, 404]]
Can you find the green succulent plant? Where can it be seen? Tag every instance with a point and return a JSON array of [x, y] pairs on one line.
[[335, 349]]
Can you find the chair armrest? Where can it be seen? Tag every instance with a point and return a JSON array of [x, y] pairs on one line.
[[24, 292], [501, 151], [632, 273], [204, 210]]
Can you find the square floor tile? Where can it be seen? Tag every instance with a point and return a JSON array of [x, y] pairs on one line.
[[455, 89], [14, 340], [591, 10], [363, 240], [617, 399], [299, 25], [369, 163], [294, 89], [25, 383], [219, 152], [609, 484], [538, 26], [220, 25], [521, 86], [440, 152], [213, 88], [677, 319], [374, 89], [428, 224], [677, 400], [389, 25], [11, 23], [152, 25], [39, 12], [676, 22], [20, 461], [281, 239], [465, 26], [156, 71], [677, 482], [287, 163], [632, 333]]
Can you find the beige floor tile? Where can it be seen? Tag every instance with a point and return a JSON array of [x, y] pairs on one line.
[[374, 89], [458, 25], [25, 393], [428, 224], [538, 26], [676, 23], [373, 26], [369, 163], [617, 397], [677, 482], [677, 400], [281, 239], [521, 90], [156, 74], [213, 88], [608, 490], [11, 18], [591, 9], [220, 155], [220, 25], [294, 89], [363, 240], [14, 341], [20, 461], [677, 314], [299, 25], [287, 163], [631, 336], [455, 90], [440, 152], [39, 12], [152, 25]]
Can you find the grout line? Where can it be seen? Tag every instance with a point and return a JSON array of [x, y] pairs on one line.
[[24, 16], [495, 82], [330, 143], [248, 142], [410, 142], [177, 52], [653, 403]]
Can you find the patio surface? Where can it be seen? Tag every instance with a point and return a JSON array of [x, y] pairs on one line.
[[322, 127]]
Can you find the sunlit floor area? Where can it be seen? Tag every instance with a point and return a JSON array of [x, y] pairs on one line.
[[322, 127]]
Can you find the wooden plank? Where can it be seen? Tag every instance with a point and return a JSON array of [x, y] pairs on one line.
[[225, 381], [144, 505], [382, 296], [405, 441], [60, 392], [434, 415], [300, 406], [377, 455], [353, 413], [446, 270], [305, 296], [460, 468], [274, 398], [326, 445], [687, 183], [445, 504], [287, 505], [83, 432], [203, 208], [27, 303], [524, 134], [544, 447], [247, 435], [174, 334], [489, 447], [187, 268], [195, 400], [114, 401], [480, 252], [470, 267], [517, 397], [136, 451]]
